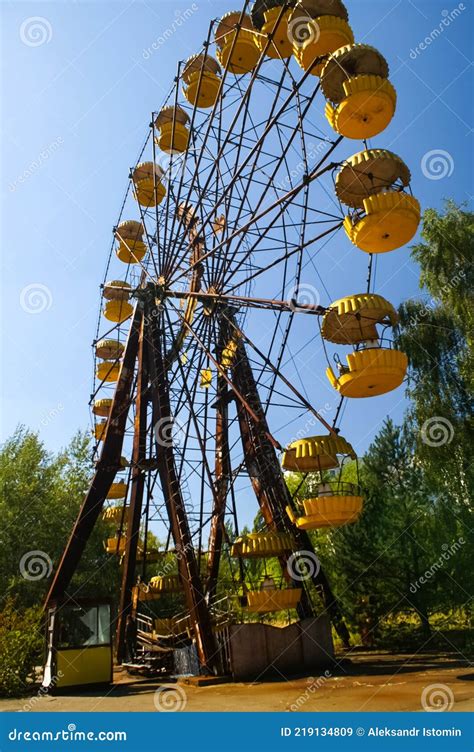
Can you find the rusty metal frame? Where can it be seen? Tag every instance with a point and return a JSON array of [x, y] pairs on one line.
[[106, 469]]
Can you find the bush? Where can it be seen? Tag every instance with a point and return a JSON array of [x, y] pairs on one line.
[[21, 645]]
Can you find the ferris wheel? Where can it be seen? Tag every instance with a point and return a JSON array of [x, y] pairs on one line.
[[257, 159]]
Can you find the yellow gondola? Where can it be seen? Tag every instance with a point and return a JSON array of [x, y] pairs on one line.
[[334, 509], [202, 80], [318, 28], [165, 584], [270, 599], [173, 134], [316, 453], [361, 99], [117, 290], [148, 187], [101, 407], [374, 367], [131, 249], [237, 47], [117, 311], [108, 371], [262, 545], [117, 490], [269, 17], [109, 349], [115, 514], [116, 545], [206, 378], [99, 430], [372, 183]]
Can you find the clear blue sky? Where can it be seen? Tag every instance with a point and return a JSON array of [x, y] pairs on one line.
[[75, 113]]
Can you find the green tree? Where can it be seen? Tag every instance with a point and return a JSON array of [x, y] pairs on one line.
[[41, 495]]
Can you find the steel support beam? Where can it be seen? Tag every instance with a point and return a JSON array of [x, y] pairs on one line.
[[136, 495], [107, 467], [187, 563], [269, 484]]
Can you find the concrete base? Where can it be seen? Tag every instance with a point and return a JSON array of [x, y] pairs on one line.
[[262, 650]]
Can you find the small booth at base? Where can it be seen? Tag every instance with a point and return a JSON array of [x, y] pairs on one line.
[[79, 645]]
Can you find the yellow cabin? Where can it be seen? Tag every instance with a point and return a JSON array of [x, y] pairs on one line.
[[272, 21], [118, 311], [317, 28], [372, 183], [361, 101], [148, 187], [172, 131], [108, 371], [237, 47], [131, 249], [202, 80], [374, 367]]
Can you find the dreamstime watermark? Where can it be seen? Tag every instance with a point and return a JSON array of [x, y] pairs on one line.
[[180, 18], [170, 698], [437, 431], [436, 698], [37, 163], [311, 422], [35, 31], [314, 150], [313, 685], [434, 302], [42, 692], [303, 29], [437, 164], [447, 19], [51, 415], [303, 565], [35, 565], [303, 295], [168, 432], [173, 164], [448, 552], [36, 298], [71, 734]]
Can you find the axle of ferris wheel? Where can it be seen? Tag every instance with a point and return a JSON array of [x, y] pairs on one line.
[[291, 306]]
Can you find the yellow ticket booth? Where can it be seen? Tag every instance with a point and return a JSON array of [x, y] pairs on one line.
[[79, 645]]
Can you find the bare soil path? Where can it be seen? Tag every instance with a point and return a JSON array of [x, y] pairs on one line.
[[369, 682]]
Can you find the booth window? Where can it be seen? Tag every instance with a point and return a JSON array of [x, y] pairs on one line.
[[84, 626]]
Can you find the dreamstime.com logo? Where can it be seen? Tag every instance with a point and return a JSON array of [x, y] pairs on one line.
[[37, 163], [436, 698], [303, 565], [168, 432], [303, 295], [437, 431], [170, 698], [448, 552], [437, 164], [71, 734], [447, 19], [35, 31], [35, 565], [36, 298], [42, 692], [303, 30], [313, 685], [180, 18]]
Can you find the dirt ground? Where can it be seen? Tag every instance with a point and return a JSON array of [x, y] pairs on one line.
[[368, 682]]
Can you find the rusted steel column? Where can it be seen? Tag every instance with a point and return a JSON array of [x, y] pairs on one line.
[[187, 563], [269, 484], [136, 495], [106, 469], [222, 476]]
